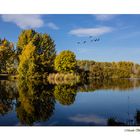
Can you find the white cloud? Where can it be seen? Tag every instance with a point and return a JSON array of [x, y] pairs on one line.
[[104, 17], [24, 21], [52, 26], [88, 119], [91, 31]]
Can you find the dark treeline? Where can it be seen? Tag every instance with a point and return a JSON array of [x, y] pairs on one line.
[[102, 70]]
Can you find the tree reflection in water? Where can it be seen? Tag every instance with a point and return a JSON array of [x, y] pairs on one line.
[[8, 93], [109, 84], [65, 94], [35, 100], [35, 103]]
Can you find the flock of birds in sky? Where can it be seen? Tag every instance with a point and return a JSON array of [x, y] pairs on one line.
[[91, 40]]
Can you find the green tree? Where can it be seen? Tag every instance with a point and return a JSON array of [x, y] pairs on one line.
[[7, 57], [37, 57], [65, 62], [45, 52]]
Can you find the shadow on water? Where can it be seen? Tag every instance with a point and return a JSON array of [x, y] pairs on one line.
[[34, 101]]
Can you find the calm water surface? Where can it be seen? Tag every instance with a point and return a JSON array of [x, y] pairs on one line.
[[98, 103]]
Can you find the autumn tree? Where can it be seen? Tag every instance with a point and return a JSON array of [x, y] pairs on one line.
[[96, 71], [26, 58], [24, 38], [65, 62], [37, 57], [7, 57]]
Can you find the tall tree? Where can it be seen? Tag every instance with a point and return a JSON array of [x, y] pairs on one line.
[[25, 60], [24, 38], [37, 57]]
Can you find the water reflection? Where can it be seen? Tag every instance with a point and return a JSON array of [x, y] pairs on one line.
[[89, 119], [35, 101], [130, 122], [137, 117], [8, 93], [113, 84], [65, 94]]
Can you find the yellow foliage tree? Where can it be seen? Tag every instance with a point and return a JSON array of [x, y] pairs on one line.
[[25, 58], [7, 56]]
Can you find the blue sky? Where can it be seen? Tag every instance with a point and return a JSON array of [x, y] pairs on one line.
[[119, 34]]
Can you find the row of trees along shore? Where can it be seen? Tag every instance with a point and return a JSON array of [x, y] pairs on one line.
[[34, 57]]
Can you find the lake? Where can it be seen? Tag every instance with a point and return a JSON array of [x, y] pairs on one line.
[[95, 103]]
